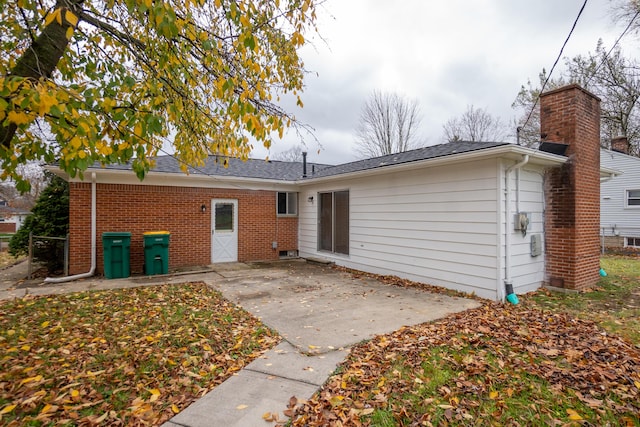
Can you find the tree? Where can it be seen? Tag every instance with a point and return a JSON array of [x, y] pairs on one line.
[[609, 75], [476, 125], [293, 154], [388, 124], [110, 80], [528, 124], [49, 217]]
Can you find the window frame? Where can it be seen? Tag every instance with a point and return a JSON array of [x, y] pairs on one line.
[[339, 246], [627, 198], [636, 242], [288, 203]]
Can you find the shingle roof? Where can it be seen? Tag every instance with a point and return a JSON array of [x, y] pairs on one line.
[[424, 153], [292, 171], [252, 168]]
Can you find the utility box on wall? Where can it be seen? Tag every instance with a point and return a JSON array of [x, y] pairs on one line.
[[536, 245]]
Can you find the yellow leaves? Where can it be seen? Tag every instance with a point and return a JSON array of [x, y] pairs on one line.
[[155, 394], [75, 142], [175, 409], [71, 18], [7, 409], [297, 39], [573, 415], [48, 408], [19, 118], [36, 378], [56, 15], [493, 395], [47, 100], [241, 407]]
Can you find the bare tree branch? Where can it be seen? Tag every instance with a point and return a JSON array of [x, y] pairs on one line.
[[475, 125], [388, 124]]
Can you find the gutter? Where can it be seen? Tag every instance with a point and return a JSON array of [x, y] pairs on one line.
[[93, 242], [511, 296]]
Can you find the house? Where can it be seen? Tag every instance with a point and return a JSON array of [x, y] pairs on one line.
[[11, 219], [476, 217], [620, 204]]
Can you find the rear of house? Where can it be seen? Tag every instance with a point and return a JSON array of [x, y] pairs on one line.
[[475, 217], [440, 220]]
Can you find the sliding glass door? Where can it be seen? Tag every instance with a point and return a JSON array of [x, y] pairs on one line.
[[333, 222]]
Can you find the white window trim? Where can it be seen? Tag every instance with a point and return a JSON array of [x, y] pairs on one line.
[[297, 204], [627, 245], [626, 198]]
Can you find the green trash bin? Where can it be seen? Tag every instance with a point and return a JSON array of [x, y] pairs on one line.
[[156, 252], [116, 246]]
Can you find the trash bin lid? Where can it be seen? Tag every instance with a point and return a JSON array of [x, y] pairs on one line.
[[116, 234]]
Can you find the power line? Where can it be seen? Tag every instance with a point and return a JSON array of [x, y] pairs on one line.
[[606, 56], [575, 22]]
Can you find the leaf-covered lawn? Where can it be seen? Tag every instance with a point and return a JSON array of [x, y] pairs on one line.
[[531, 364], [125, 357], [6, 259], [614, 304]]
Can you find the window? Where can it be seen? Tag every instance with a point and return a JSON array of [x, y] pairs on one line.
[[287, 203], [632, 241], [333, 229], [224, 217], [633, 197]]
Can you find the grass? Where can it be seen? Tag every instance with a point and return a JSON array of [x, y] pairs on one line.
[[614, 304], [555, 359], [124, 357], [6, 259]]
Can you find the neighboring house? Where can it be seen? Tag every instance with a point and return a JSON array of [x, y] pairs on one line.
[[467, 216], [620, 204], [11, 219]]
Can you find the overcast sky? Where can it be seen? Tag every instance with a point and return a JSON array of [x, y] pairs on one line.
[[446, 54]]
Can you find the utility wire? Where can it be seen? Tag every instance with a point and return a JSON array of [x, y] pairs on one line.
[[555, 63], [606, 56]]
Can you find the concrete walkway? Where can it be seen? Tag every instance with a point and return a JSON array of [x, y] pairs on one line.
[[319, 311]]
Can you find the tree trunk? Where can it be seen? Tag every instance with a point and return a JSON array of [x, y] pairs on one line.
[[42, 57]]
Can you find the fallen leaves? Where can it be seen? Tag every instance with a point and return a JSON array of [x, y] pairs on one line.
[[495, 365], [127, 357]]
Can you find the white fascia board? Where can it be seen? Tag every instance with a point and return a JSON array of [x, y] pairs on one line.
[[123, 176], [609, 173], [513, 152]]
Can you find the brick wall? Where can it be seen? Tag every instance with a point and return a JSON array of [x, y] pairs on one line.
[[7, 227], [571, 115], [140, 208]]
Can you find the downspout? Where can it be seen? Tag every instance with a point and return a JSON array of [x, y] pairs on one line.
[[93, 242], [511, 296]]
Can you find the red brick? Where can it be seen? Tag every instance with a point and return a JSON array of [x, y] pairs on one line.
[[571, 115], [140, 208]]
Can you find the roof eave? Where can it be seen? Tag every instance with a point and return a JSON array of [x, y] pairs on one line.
[[126, 176], [514, 152]]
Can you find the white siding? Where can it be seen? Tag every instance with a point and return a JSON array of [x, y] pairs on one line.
[[437, 225], [615, 216], [441, 225], [527, 272]]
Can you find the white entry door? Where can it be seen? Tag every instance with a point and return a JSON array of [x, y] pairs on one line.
[[224, 230]]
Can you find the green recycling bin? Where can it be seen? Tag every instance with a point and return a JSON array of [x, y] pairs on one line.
[[116, 246], [156, 252]]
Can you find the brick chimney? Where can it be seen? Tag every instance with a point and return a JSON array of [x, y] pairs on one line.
[[620, 144], [571, 115]]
